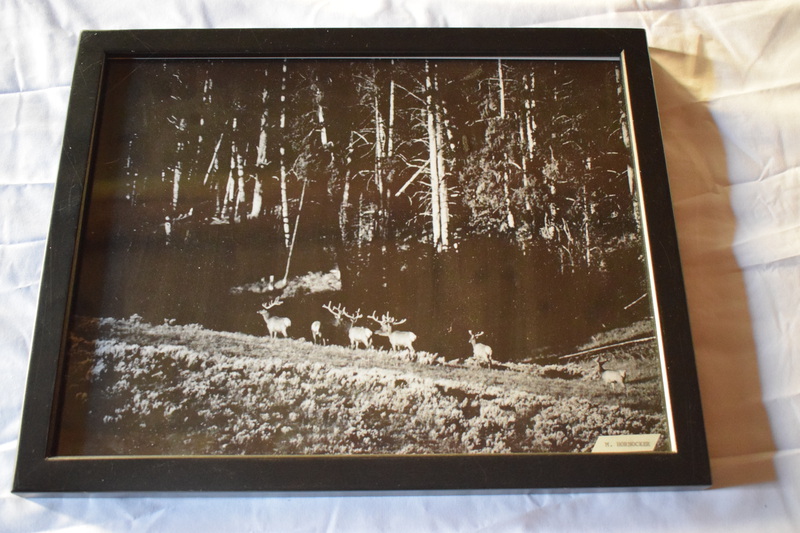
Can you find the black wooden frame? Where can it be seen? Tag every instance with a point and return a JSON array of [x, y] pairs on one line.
[[41, 472]]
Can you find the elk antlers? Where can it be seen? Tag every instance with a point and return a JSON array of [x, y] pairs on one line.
[[274, 303], [386, 321], [339, 311], [354, 317], [474, 336]]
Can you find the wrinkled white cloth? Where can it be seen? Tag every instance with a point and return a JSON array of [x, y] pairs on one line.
[[727, 77]]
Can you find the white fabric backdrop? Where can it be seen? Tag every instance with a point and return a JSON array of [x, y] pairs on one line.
[[728, 86]]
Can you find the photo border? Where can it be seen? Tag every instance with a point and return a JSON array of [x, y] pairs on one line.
[[40, 471]]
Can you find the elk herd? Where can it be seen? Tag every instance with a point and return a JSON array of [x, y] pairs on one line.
[[360, 336]]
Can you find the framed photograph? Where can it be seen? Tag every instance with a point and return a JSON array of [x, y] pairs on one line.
[[359, 260]]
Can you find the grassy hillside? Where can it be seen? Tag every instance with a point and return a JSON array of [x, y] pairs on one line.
[[136, 388]]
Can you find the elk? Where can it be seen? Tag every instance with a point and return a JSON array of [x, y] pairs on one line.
[[275, 324], [357, 334], [480, 351], [316, 332], [398, 339], [599, 369], [611, 377]]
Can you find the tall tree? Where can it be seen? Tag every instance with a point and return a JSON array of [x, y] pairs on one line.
[[283, 135], [437, 168]]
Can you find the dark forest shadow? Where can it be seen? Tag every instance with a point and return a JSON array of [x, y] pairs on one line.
[[739, 435]]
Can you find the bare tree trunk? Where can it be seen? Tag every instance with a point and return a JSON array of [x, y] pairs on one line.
[[284, 201], [507, 200], [444, 201], [526, 134], [219, 200], [294, 234], [390, 139], [530, 120], [262, 159], [527, 125], [241, 195], [176, 180], [206, 99], [379, 143], [433, 157], [261, 151], [235, 195], [343, 207], [501, 88], [525, 178], [283, 173], [587, 243], [255, 209], [227, 200], [323, 130], [177, 171], [213, 164]]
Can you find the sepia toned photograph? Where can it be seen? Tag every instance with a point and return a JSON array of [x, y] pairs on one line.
[[343, 256]]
